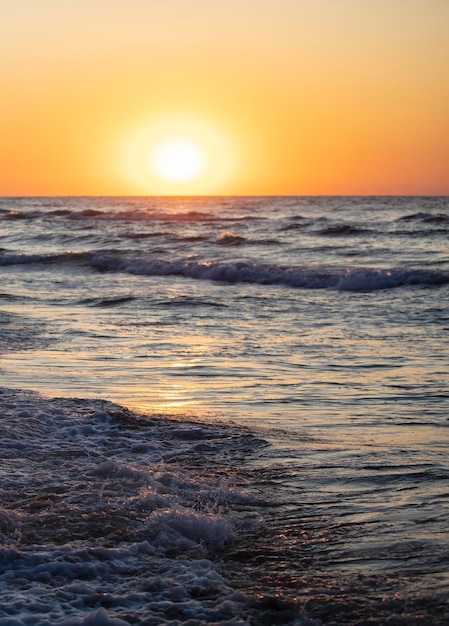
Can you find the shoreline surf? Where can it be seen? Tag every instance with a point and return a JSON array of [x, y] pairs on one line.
[[108, 515]]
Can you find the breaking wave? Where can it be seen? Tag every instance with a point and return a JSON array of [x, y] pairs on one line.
[[102, 523], [361, 279], [324, 277]]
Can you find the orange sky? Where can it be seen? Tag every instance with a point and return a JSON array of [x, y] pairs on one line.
[[285, 96]]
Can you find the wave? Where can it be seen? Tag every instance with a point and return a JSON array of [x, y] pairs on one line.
[[139, 236], [22, 215], [230, 239], [30, 259], [189, 301], [425, 217], [9, 297], [354, 279], [343, 229], [107, 302], [130, 215], [321, 277], [296, 226]]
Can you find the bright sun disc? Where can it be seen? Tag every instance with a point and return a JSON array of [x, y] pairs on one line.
[[179, 160], [177, 156]]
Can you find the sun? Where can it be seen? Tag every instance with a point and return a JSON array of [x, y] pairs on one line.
[[178, 156], [179, 160]]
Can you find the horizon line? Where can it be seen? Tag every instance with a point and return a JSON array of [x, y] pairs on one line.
[[290, 195]]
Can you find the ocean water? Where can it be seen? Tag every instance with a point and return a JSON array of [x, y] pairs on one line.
[[224, 411]]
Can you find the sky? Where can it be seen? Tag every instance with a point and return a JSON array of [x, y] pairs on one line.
[[280, 97]]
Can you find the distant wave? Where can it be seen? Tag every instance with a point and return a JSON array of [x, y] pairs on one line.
[[139, 236], [107, 302], [10, 297], [296, 226], [60, 212], [343, 229], [29, 259], [126, 216], [425, 217], [230, 239], [22, 215], [188, 301]]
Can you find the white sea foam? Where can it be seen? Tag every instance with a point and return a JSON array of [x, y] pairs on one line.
[[95, 528]]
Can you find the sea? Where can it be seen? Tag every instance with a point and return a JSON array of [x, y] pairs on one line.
[[224, 410]]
